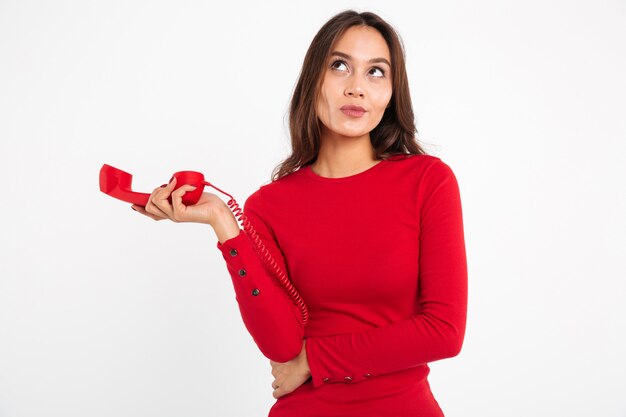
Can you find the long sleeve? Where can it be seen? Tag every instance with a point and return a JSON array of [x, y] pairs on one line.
[[437, 329], [270, 316]]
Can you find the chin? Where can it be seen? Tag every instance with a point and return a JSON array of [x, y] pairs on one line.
[[355, 132], [351, 133]]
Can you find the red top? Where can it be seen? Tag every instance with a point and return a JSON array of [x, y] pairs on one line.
[[379, 259]]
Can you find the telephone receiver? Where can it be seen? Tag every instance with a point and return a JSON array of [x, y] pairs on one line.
[[118, 184]]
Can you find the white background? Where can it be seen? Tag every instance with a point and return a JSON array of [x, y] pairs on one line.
[[104, 312]]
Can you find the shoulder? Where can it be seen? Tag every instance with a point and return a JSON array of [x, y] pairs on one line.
[[436, 184], [425, 168], [275, 190], [429, 177]]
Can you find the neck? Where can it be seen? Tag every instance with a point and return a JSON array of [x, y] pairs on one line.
[[342, 156]]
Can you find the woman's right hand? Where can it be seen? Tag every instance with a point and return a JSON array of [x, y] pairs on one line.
[[207, 210]]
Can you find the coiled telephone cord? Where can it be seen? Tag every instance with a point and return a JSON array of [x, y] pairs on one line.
[[266, 256]]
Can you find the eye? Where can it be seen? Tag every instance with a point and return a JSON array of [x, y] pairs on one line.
[[342, 62], [337, 61], [382, 72]]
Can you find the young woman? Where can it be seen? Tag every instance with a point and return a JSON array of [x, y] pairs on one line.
[[367, 227]]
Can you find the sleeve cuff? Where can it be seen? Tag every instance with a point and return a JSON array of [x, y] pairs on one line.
[[321, 375], [229, 244]]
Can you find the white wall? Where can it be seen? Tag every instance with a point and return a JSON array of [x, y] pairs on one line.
[[106, 312]]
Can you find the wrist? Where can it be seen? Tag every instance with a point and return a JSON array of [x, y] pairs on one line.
[[225, 225], [222, 213]]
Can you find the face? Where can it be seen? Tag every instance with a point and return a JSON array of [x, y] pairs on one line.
[[358, 73]]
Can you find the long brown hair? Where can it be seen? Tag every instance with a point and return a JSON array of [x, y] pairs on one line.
[[396, 132]]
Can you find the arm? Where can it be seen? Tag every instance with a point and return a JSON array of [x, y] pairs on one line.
[[270, 316], [437, 330]]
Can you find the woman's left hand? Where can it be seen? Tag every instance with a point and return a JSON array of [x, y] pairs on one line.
[[290, 375]]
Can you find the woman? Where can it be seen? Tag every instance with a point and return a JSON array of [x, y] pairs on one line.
[[367, 227]]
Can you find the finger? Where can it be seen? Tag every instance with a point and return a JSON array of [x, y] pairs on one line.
[[165, 190], [160, 196], [163, 206], [280, 391], [154, 209], [178, 194], [177, 199], [276, 368], [144, 212], [276, 389], [278, 382], [157, 202]]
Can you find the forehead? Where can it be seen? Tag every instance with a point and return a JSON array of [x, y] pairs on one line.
[[363, 43]]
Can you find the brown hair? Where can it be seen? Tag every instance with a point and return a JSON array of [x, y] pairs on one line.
[[396, 132]]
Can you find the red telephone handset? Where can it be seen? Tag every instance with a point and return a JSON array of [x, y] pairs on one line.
[[118, 184]]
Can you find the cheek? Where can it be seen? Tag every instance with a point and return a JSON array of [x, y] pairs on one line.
[[332, 90], [323, 104], [383, 96]]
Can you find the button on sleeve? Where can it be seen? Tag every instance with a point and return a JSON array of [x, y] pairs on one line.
[[271, 317]]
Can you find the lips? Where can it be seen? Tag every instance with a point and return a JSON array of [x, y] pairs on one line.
[[353, 111], [351, 107]]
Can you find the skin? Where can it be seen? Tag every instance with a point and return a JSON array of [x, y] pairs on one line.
[[345, 141], [345, 150]]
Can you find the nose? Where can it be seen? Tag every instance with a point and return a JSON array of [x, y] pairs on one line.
[[353, 89]]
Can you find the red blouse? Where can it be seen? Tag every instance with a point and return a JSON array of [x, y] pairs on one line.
[[379, 259]]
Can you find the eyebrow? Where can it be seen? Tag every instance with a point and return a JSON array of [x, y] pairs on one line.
[[373, 60]]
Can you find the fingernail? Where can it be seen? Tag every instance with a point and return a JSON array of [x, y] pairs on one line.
[[133, 208]]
